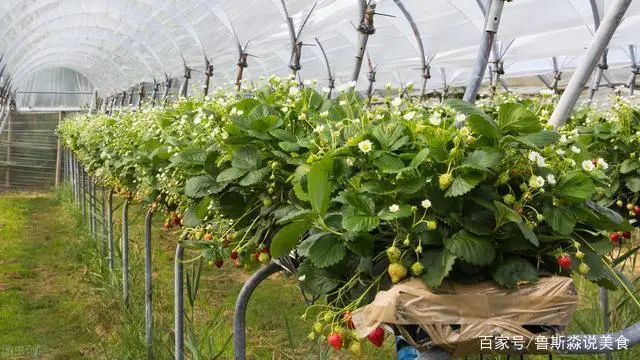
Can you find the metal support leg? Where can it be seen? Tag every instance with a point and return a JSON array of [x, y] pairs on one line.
[[604, 302], [110, 229], [83, 188], [179, 303], [147, 284], [103, 213], [599, 43], [239, 333], [492, 20], [125, 252]]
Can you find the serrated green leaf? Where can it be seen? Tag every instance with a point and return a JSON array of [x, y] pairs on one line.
[[629, 165], [485, 159], [561, 220], [633, 183], [402, 212], [539, 139], [518, 119], [190, 218], [463, 184], [361, 244], [316, 281], [420, 157], [287, 238], [210, 166], [189, 156], [202, 208], [504, 212], [327, 252], [231, 174], [199, 186], [360, 223], [303, 248], [254, 176], [389, 164], [361, 203], [319, 185], [437, 265], [246, 158], [289, 146], [283, 135], [471, 248], [575, 186], [514, 271]]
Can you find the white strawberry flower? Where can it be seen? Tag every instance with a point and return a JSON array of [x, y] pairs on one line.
[[575, 149], [319, 129], [536, 182], [409, 116], [350, 161], [551, 179], [396, 102], [365, 146], [563, 139], [435, 119], [560, 152], [602, 164], [461, 117], [394, 208], [587, 165], [426, 203]]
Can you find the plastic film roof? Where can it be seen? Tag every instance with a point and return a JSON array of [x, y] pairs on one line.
[[116, 44]]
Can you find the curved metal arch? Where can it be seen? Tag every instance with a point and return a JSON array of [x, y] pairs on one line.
[[80, 72], [75, 65], [81, 40], [26, 66], [62, 60], [135, 20]]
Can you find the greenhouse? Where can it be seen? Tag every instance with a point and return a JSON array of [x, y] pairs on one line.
[[330, 179]]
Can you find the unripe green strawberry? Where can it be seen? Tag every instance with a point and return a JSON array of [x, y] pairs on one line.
[[509, 199], [445, 180], [417, 269], [539, 217], [264, 258], [267, 202], [583, 268], [317, 328], [397, 272], [579, 255], [619, 203], [356, 349], [311, 336], [394, 254], [432, 225]]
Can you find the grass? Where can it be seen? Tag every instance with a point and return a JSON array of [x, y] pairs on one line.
[[58, 298]]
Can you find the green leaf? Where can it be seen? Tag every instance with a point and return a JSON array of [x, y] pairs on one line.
[[319, 186], [403, 212], [462, 184], [283, 135], [420, 157], [289, 146], [361, 244], [232, 204], [504, 212], [633, 184], [246, 158], [231, 174], [327, 252], [514, 271], [437, 265], [528, 234], [254, 176], [199, 186], [316, 281], [575, 186], [484, 125], [190, 217], [360, 223], [287, 238], [190, 156], [210, 166], [484, 159], [465, 108], [361, 203], [389, 164], [629, 165], [607, 219], [516, 118], [560, 219], [471, 248], [539, 139]]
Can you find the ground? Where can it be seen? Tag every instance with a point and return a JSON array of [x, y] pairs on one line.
[[59, 301]]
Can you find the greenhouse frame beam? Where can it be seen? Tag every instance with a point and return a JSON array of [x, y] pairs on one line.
[[492, 21], [602, 65], [599, 43], [365, 29], [635, 70]]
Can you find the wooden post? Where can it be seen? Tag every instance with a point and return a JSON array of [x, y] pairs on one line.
[[58, 151]]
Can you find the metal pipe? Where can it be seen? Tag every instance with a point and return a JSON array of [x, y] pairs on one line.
[[103, 223], [598, 44], [604, 302], [239, 333], [179, 302], [365, 29], [125, 252], [110, 229], [147, 284], [83, 188], [208, 74], [492, 21]]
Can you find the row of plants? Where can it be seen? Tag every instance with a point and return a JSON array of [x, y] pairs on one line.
[[364, 198]]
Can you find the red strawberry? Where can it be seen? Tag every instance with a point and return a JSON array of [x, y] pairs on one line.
[[266, 250], [614, 237], [258, 255], [637, 210], [594, 161], [176, 220], [219, 263], [335, 340], [207, 237], [234, 255], [236, 264], [626, 234], [166, 226], [346, 318], [377, 337], [564, 261]]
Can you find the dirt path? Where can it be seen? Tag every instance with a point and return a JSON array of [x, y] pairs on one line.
[[43, 299]]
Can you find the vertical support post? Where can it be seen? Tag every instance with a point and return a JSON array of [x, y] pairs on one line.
[[184, 90], [492, 21], [141, 95], [125, 252], [167, 86], [110, 228], [83, 185], [147, 284], [58, 152], [7, 173], [179, 302], [635, 70], [131, 96], [103, 213], [124, 97], [94, 102], [239, 333], [208, 74], [93, 208], [242, 64], [600, 41], [604, 302], [154, 94], [365, 29]]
